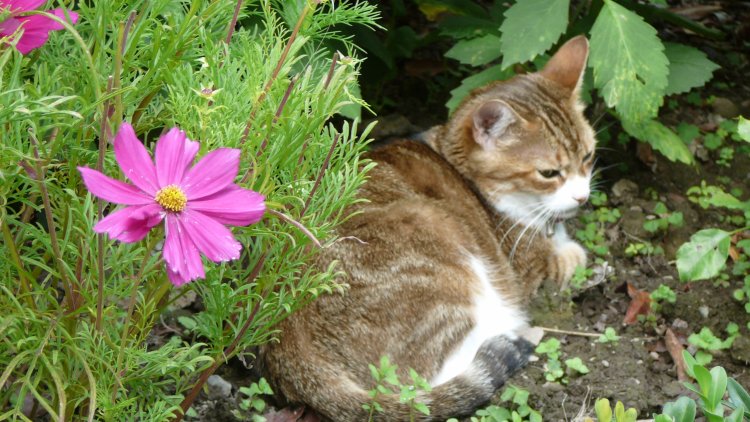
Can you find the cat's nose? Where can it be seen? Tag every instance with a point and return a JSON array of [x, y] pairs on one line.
[[581, 199]]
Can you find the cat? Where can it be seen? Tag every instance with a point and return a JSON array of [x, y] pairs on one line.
[[450, 243]]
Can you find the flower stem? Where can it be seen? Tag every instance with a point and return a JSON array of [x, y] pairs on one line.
[[67, 285], [323, 169], [285, 218], [193, 393], [233, 22], [276, 71], [104, 135]]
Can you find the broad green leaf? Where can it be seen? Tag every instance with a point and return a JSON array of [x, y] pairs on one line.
[[603, 410], [577, 364], [737, 415], [689, 363], [663, 418], [460, 27], [738, 396], [718, 385], [630, 68], [531, 27], [682, 410], [743, 129], [661, 138], [476, 51], [704, 255], [494, 73], [688, 68]]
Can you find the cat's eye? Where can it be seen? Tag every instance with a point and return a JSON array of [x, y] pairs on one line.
[[588, 156], [548, 174]]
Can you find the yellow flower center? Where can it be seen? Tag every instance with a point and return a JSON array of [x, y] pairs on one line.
[[171, 198]]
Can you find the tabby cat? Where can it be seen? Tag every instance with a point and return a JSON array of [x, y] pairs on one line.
[[452, 240]]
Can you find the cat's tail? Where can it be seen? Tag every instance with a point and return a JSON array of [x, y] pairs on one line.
[[495, 362]]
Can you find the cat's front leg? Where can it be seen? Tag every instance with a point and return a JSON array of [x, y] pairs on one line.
[[567, 255]]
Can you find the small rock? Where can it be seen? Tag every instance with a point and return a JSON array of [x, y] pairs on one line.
[[654, 355], [218, 387], [625, 190], [725, 108], [673, 389], [632, 223], [703, 311], [679, 324], [605, 363]]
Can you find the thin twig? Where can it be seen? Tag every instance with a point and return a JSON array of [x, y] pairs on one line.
[[331, 69], [233, 22], [570, 332], [297, 224]]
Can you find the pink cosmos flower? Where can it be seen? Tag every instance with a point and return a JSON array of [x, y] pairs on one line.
[[35, 28], [195, 202]]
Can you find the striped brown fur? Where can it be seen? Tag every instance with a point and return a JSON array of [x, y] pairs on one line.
[[412, 292]]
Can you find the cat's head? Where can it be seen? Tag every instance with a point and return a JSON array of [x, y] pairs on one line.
[[525, 143]]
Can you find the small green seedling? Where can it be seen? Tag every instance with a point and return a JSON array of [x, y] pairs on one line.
[[252, 400], [604, 412], [707, 342], [609, 336], [643, 248], [386, 378], [663, 219]]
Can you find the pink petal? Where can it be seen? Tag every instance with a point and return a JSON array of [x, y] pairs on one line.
[[60, 13], [233, 206], [214, 172], [174, 153], [17, 6], [36, 29], [9, 26], [183, 260], [134, 160], [130, 224], [113, 190], [210, 237]]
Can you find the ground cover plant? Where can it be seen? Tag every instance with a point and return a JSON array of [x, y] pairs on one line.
[[86, 108]]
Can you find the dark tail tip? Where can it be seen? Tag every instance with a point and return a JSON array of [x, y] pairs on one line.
[[502, 357]]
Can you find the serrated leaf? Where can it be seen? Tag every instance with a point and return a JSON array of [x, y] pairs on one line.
[[476, 51], [460, 27], [630, 68], [682, 410], [704, 255], [494, 73], [531, 27], [661, 138], [743, 129], [688, 68]]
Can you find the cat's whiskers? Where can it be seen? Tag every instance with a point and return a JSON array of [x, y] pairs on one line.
[[517, 222], [552, 216], [537, 217]]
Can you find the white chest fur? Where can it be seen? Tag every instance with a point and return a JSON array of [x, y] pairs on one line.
[[493, 316]]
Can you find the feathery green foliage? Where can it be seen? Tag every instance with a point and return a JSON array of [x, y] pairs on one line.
[[158, 64]]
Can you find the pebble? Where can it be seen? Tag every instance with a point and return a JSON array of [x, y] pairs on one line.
[[625, 189], [605, 363], [725, 108], [654, 355], [703, 311], [218, 387]]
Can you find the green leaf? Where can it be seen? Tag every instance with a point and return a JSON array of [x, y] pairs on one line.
[[476, 51], [682, 410], [738, 396], [494, 73], [704, 255], [743, 129], [422, 408], [688, 68], [737, 415], [718, 385], [577, 364], [187, 322], [630, 67], [661, 138], [460, 27], [689, 363], [531, 27], [603, 410]]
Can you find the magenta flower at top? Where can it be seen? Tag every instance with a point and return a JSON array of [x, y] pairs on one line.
[[195, 202], [35, 28]]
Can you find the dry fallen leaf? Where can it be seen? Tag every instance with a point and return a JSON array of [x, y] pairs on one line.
[[674, 346], [640, 304]]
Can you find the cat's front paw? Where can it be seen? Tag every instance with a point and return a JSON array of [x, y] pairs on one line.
[[569, 254]]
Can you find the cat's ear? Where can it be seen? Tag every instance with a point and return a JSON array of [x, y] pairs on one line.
[[491, 120], [568, 65]]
